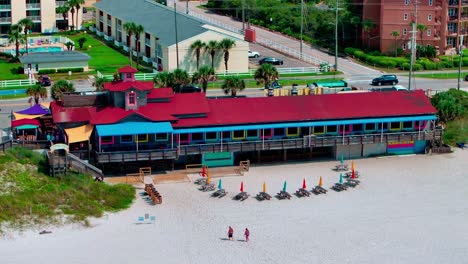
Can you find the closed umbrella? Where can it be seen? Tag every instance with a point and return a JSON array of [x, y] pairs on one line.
[[208, 178], [242, 187], [341, 178], [284, 186], [264, 187], [320, 181], [304, 186], [352, 165], [220, 184], [353, 176], [203, 172], [342, 159]]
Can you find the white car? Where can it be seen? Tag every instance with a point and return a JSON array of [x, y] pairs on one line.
[[253, 54]]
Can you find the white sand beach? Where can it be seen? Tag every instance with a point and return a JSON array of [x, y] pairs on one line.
[[410, 209]]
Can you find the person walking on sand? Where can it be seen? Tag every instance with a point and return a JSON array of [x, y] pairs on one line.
[[230, 233], [247, 234]]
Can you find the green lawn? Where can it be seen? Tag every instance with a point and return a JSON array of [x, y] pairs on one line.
[[103, 58], [286, 82], [442, 75], [9, 72]]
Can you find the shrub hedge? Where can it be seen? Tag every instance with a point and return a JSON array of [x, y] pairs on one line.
[[47, 71], [65, 70]]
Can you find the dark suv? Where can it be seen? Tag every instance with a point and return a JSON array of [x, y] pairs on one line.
[[44, 80], [189, 88], [385, 79]]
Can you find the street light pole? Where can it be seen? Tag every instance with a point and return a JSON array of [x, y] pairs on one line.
[[186, 7], [336, 36], [176, 38], [460, 51], [302, 25], [243, 15]]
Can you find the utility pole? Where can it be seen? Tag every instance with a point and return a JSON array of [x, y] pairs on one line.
[[186, 6], [176, 37], [460, 51], [302, 25], [243, 15], [336, 36], [413, 53]]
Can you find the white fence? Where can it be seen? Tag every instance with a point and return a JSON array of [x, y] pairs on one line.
[[138, 76], [16, 83]]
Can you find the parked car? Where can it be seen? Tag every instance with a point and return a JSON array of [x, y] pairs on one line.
[[253, 54], [385, 79], [44, 80], [271, 60], [466, 78], [390, 89], [189, 88], [85, 10]]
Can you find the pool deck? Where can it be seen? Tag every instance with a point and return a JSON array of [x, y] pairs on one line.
[[35, 45]]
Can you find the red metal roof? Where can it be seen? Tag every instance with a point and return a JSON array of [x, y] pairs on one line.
[[165, 92], [232, 111], [62, 114], [127, 69], [123, 86]]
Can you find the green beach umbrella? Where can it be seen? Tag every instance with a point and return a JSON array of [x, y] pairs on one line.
[[341, 178], [220, 184], [284, 186], [342, 159]]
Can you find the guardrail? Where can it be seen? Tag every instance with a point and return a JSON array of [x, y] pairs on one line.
[[84, 167]]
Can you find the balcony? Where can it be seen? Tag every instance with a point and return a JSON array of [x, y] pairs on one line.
[[117, 43], [109, 22], [464, 17], [452, 18], [147, 42], [33, 6], [452, 33], [5, 7], [101, 19], [5, 20], [108, 38], [35, 18], [464, 31], [58, 16], [60, 3], [465, 3]]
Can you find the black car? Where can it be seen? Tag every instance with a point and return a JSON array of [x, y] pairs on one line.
[[271, 60], [44, 80], [385, 79], [466, 78], [189, 88]]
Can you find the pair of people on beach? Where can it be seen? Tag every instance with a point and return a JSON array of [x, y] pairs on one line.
[[231, 233]]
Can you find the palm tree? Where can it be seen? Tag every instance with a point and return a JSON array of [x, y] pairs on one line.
[[204, 75], [232, 84], [137, 31], [64, 11], [37, 91], [181, 78], [16, 36], [197, 46], [211, 48], [130, 29], [421, 28], [60, 87], [26, 24], [226, 44], [164, 79], [71, 4], [99, 83], [355, 21], [367, 26], [396, 34], [77, 4], [265, 74]]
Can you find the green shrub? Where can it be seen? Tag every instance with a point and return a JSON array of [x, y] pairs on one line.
[[417, 67], [47, 71], [20, 70], [65, 70], [447, 64], [405, 66]]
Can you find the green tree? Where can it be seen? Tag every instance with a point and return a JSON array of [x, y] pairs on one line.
[[211, 49], [137, 31], [69, 45], [59, 88], [99, 83], [355, 22], [16, 36], [395, 35], [181, 78], [421, 28], [204, 75], [451, 104], [37, 92], [164, 79], [367, 26], [26, 24], [197, 47], [63, 10], [233, 84], [265, 74], [226, 44], [81, 42], [77, 5], [129, 27]]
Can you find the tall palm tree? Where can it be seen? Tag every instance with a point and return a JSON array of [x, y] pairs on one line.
[[265, 74], [367, 26], [211, 48], [71, 4], [396, 34], [130, 29], [63, 10], [60, 87], [421, 28], [37, 91], [232, 84], [77, 4], [137, 31], [164, 79], [181, 78], [226, 44], [204, 75], [198, 46], [16, 36], [356, 22], [99, 83], [26, 24]]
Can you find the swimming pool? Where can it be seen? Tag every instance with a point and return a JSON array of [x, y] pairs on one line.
[[36, 49], [12, 92]]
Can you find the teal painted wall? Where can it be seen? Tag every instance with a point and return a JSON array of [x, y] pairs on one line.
[[218, 159]]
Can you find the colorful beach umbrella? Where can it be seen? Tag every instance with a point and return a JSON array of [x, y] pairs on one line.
[[352, 165], [220, 184], [304, 186], [342, 159], [203, 171], [264, 187], [242, 187], [208, 178], [284, 186], [320, 181], [353, 176], [341, 177]]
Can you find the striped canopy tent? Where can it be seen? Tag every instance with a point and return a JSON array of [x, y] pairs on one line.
[[79, 134], [25, 124]]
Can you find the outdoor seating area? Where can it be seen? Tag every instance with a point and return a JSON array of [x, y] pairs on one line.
[[319, 190], [282, 195], [341, 167], [219, 193], [301, 192], [241, 196], [207, 187], [153, 194]]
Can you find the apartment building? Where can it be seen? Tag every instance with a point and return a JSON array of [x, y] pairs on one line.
[[445, 21], [41, 12]]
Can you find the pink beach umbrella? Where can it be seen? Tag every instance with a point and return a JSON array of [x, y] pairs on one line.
[[242, 187], [304, 186]]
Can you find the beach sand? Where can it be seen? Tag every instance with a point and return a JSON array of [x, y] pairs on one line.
[[409, 209]]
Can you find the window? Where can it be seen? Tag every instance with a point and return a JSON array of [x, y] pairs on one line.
[[305, 131], [405, 31], [109, 17], [357, 127], [107, 140], [429, 18], [141, 138], [395, 125], [211, 135], [184, 137], [226, 135], [126, 139], [430, 2], [370, 126], [319, 130], [404, 46], [265, 132], [278, 131], [128, 76], [292, 131], [406, 2], [385, 126], [101, 13], [405, 16], [429, 32], [131, 98], [332, 129], [161, 136], [197, 136], [407, 124], [252, 133], [238, 134]]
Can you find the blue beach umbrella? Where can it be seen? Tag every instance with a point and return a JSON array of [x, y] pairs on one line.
[[284, 186], [342, 159], [220, 184], [341, 178]]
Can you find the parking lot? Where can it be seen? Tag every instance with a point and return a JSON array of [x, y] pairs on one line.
[[288, 62]]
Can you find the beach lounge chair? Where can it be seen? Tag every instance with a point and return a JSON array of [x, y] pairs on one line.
[[263, 196], [319, 190], [208, 187], [283, 195], [301, 192], [241, 196], [350, 173], [219, 193], [341, 167], [200, 181], [339, 187]]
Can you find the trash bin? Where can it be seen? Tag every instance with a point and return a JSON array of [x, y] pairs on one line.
[[294, 89]]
